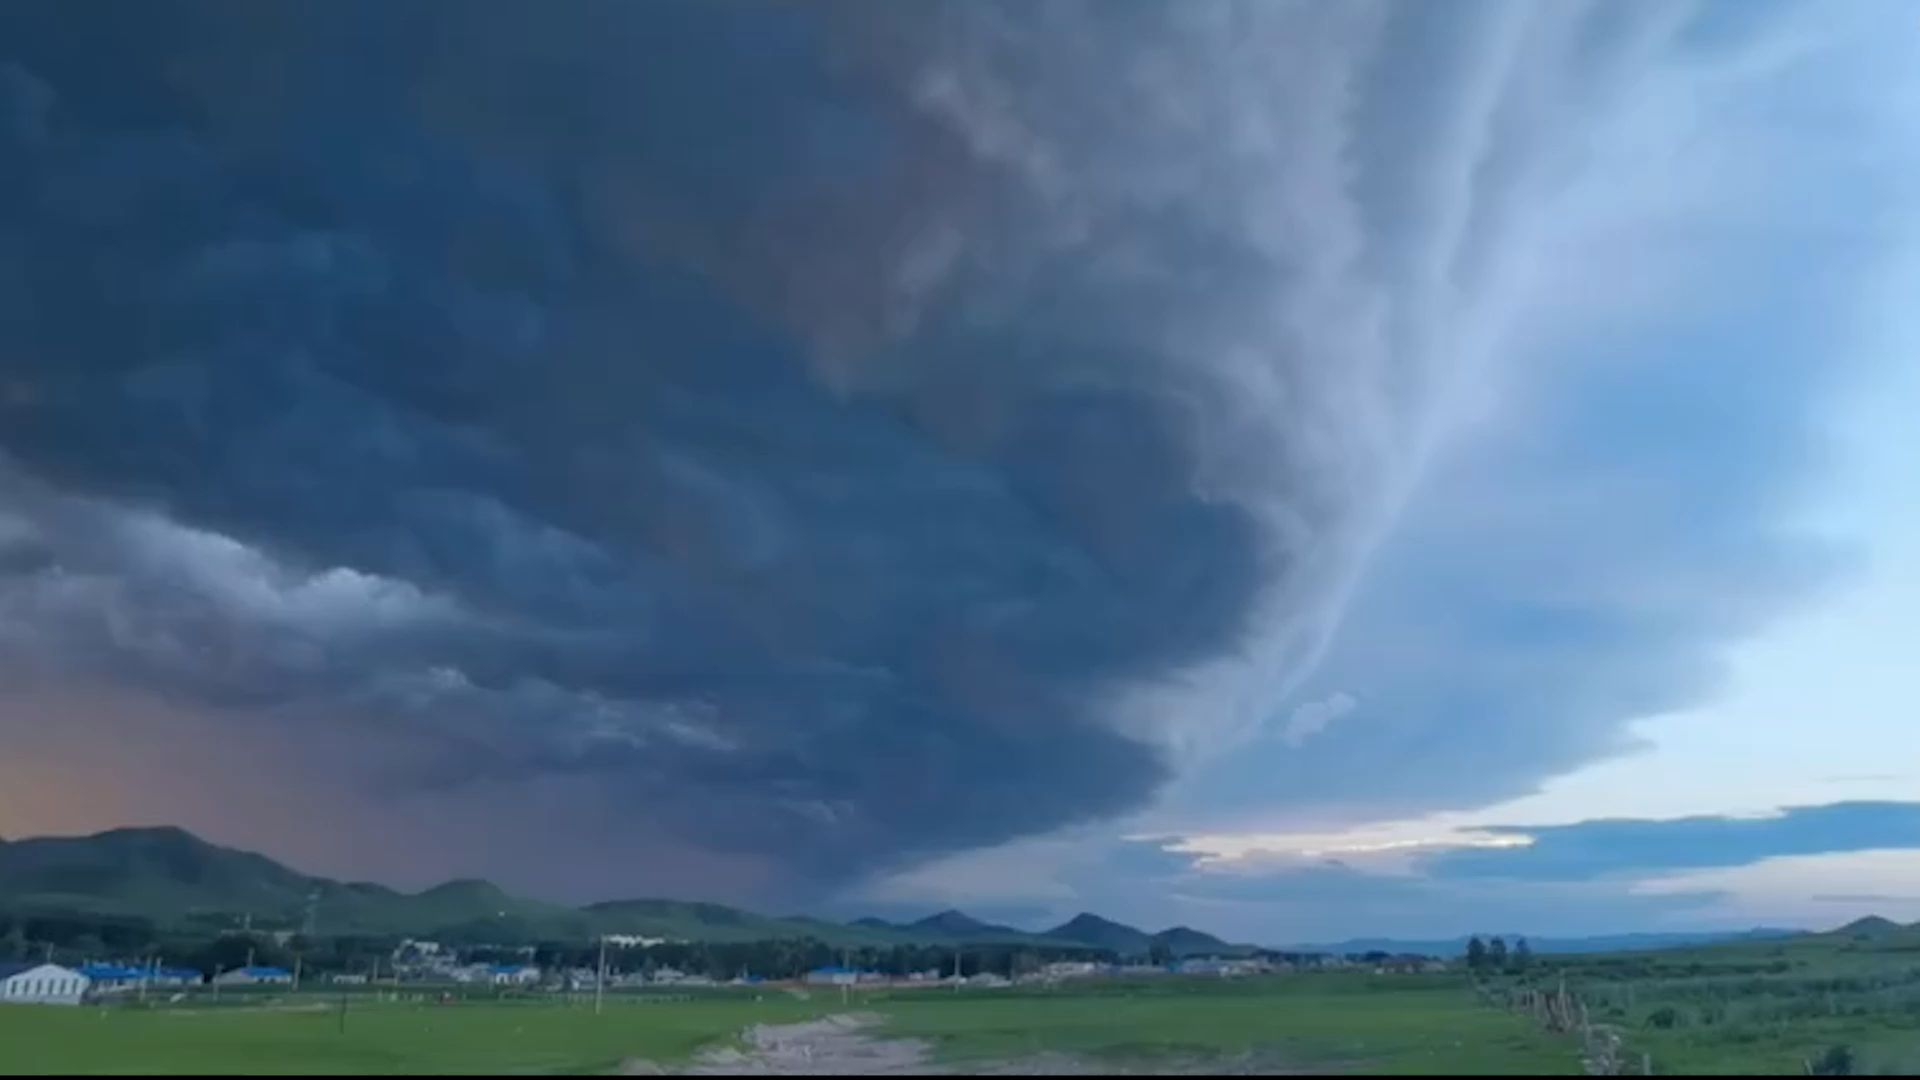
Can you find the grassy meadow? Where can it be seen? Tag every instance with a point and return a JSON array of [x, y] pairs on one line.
[[1769, 1007], [1332, 1022], [307, 1037]]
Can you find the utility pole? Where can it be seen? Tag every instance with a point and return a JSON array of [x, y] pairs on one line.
[[600, 983]]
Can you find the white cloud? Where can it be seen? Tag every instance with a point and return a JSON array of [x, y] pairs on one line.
[[1312, 718]]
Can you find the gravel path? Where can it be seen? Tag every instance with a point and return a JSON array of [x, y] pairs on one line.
[[835, 1046], [846, 1045]]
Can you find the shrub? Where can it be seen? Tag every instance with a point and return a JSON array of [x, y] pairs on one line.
[[1837, 1061]]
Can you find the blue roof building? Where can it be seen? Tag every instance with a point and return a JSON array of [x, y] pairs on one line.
[[107, 974], [256, 975], [832, 975]]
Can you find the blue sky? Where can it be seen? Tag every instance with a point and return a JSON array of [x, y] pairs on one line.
[[1302, 471]]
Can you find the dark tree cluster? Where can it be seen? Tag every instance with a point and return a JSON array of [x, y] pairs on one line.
[[1494, 957]]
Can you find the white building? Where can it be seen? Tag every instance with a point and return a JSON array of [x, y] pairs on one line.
[[1072, 969], [633, 941], [41, 984]]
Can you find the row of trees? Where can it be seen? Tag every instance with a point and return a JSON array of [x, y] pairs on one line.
[[1494, 956], [78, 938]]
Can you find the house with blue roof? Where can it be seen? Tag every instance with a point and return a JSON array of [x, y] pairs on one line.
[[513, 974], [255, 976], [112, 978], [832, 975], [173, 976]]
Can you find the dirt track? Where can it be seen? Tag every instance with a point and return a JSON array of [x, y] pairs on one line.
[[835, 1046], [845, 1045]]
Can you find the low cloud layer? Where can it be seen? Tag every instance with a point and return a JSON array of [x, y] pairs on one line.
[[1808, 866], [1593, 849], [827, 436]]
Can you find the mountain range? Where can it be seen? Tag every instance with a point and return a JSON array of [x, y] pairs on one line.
[[177, 880], [1598, 943], [173, 878]]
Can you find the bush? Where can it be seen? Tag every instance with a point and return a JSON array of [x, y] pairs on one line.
[[1665, 1018], [1837, 1061]]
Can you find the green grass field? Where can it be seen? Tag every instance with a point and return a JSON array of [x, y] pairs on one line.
[[1357, 1023], [1335, 1022], [468, 1038], [1767, 1007]]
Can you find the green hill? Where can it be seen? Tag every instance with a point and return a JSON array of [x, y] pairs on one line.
[[172, 877], [958, 926], [177, 880], [1185, 941], [165, 874], [1872, 926], [1089, 929]]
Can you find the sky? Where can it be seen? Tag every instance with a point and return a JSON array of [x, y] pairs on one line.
[[1301, 470]]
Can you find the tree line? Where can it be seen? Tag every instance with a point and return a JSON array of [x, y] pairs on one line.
[[77, 938], [1485, 957]]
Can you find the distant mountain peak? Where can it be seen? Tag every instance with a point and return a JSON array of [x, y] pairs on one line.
[[953, 923], [1871, 925], [950, 919], [1186, 941], [1087, 928], [465, 887], [168, 835]]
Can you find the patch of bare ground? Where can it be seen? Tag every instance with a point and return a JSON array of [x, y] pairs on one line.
[[845, 1045]]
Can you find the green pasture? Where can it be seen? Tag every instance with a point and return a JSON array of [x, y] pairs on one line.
[[1338, 1023], [1766, 1007], [1320, 1022], [384, 1038]]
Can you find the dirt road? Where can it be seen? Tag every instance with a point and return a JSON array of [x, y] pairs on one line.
[[840, 1045], [847, 1045]]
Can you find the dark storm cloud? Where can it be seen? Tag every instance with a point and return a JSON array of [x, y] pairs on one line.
[[802, 425], [1593, 849]]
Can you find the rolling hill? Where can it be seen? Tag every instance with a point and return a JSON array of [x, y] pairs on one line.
[[1873, 926], [175, 879], [1184, 941], [1090, 929], [1599, 943], [958, 926], [172, 877]]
